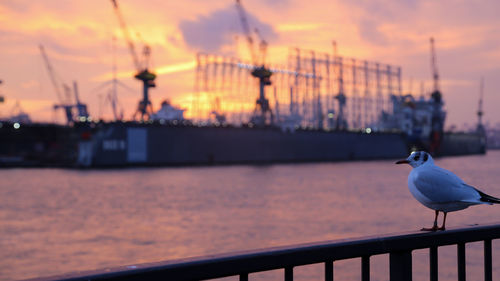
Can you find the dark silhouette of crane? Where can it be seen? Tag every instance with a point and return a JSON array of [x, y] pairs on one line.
[[65, 103], [2, 99], [260, 71], [143, 74], [480, 128], [437, 119], [436, 93]]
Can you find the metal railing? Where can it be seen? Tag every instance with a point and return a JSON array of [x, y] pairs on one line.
[[399, 247]]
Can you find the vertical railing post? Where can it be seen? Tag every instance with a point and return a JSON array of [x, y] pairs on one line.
[[433, 263], [365, 268], [244, 277], [488, 269], [400, 266], [289, 273], [461, 261], [329, 271]]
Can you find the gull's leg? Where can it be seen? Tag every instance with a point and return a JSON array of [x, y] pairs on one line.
[[444, 221], [435, 226]]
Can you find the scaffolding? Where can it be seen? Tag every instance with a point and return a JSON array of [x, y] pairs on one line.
[[313, 90]]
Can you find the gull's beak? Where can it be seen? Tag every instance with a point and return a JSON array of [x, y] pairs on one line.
[[402, 162]]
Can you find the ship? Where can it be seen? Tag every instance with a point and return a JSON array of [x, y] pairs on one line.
[[412, 125]]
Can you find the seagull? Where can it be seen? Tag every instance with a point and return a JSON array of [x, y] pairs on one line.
[[439, 189]]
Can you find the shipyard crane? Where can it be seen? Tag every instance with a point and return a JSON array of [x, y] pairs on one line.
[[480, 128], [437, 119], [65, 104], [259, 71], [2, 99], [143, 74], [436, 93], [81, 108]]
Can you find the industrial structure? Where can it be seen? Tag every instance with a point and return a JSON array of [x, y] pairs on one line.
[[315, 90]]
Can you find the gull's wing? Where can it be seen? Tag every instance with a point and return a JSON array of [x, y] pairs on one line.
[[440, 186]]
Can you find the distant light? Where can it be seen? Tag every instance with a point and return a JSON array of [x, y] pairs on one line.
[[82, 119], [368, 130], [175, 122], [1, 125], [162, 121], [17, 125], [330, 115], [89, 119]]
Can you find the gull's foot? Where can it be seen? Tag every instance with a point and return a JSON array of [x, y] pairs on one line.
[[442, 228], [434, 228]]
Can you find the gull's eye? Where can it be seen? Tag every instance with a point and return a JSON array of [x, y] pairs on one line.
[[417, 157]]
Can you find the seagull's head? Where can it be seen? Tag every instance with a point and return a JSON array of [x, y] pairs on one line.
[[417, 158]]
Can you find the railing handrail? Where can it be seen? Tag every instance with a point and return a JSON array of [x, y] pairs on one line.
[[244, 262]]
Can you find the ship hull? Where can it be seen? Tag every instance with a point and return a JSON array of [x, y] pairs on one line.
[[133, 145], [36, 145], [462, 144]]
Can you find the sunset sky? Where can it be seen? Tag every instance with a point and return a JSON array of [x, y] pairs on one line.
[[77, 36]]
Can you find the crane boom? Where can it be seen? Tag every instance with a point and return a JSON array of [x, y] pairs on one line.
[[52, 75], [246, 30], [262, 47], [126, 33]]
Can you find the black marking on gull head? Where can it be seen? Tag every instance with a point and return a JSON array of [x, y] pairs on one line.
[[417, 156]]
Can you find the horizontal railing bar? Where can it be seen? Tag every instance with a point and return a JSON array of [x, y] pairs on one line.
[[234, 264]]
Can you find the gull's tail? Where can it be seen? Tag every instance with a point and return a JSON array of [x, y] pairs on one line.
[[488, 198]]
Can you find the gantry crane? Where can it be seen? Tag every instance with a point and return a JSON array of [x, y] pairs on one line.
[[259, 71], [143, 74]]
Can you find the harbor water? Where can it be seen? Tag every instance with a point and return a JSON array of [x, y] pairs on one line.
[[54, 221]]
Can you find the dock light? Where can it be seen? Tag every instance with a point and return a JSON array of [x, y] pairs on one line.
[[330, 115], [368, 130], [162, 121], [83, 119], [16, 125]]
